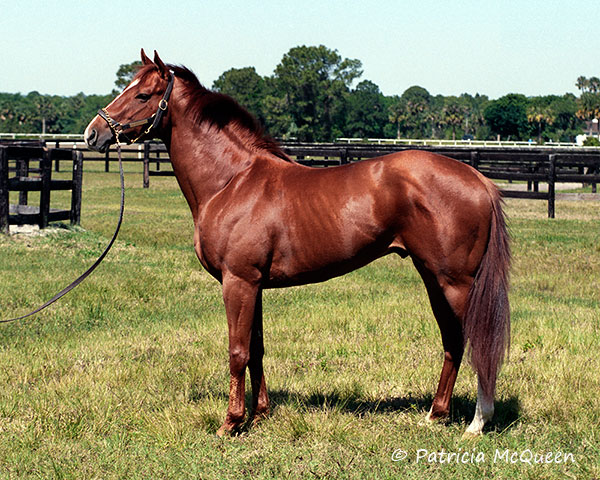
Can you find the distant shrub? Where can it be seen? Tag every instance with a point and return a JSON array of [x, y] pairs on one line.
[[591, 142]]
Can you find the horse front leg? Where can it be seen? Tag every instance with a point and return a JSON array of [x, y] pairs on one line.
[[260, 398], [240, 297]]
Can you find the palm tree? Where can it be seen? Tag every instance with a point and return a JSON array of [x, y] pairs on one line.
[[540, 115], [582, 83], [454, 114], [589, 106], [594, 84], [397, 114], [409, 115]]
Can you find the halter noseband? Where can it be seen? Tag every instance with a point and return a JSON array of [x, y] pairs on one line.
[[118, 129]]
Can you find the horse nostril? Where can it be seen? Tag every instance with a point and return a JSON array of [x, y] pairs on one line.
[[92, 137]]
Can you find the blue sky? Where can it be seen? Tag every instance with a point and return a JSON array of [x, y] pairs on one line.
[[493, 48]]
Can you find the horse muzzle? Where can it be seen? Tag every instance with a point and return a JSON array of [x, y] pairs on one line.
[[97, 137]]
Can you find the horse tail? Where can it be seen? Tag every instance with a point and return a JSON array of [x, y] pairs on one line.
[[486, 324]]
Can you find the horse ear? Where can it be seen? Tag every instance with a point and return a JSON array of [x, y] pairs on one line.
[[145, 59], [162, 68]]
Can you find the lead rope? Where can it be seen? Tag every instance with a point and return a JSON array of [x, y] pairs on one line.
[[85, 274]]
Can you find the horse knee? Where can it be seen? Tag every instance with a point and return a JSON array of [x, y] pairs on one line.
[[238, 360]]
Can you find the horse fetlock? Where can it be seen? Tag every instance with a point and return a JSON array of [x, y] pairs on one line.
[[227, 429], [259, 414], [232, 424], [438, 413]]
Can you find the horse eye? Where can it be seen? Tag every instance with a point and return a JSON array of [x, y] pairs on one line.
[[144, 97]]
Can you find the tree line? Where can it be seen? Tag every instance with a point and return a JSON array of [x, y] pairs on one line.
[[316, 95]]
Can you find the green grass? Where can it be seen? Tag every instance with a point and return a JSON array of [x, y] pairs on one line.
[[582, 189], [127, 376]]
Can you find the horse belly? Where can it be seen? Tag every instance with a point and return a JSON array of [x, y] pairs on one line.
[[319, 252]]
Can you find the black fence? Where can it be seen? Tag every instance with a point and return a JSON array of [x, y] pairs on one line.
[[530, 164], [527, 164], [32, 168]]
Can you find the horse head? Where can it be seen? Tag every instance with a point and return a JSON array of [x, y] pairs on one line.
[[138, 110]]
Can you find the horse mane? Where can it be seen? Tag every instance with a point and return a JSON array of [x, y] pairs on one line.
[[220, 110]]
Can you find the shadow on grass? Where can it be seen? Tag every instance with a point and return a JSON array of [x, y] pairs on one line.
[[462, 407]]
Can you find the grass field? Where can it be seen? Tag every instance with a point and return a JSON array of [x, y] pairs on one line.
[[127, 376]]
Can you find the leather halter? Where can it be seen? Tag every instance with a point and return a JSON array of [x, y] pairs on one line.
[[118, 128]]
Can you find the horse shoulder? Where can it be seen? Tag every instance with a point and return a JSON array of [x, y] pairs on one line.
[[236, 227]]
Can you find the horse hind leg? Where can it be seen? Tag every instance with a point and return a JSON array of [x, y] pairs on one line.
[[453, 353], [484, 411], [463, 311], [448, 303]]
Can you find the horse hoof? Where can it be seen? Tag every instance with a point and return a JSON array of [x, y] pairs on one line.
[[427, 421], [471, 435], [431, 419], [227, 430]]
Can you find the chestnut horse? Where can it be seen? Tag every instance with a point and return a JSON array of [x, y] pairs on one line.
[[263, 221]]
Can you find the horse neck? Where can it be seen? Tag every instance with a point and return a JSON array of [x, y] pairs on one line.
[[204, 158]]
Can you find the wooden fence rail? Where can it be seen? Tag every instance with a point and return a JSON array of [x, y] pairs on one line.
[[42, 215]]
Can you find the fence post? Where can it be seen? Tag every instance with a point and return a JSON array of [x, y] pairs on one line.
[[57, 161], [343, 156], [23, 171], [146, 164], [46, 172], [75, 215], [107, 161], [475, 160], [3, 190], [551, 185]]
